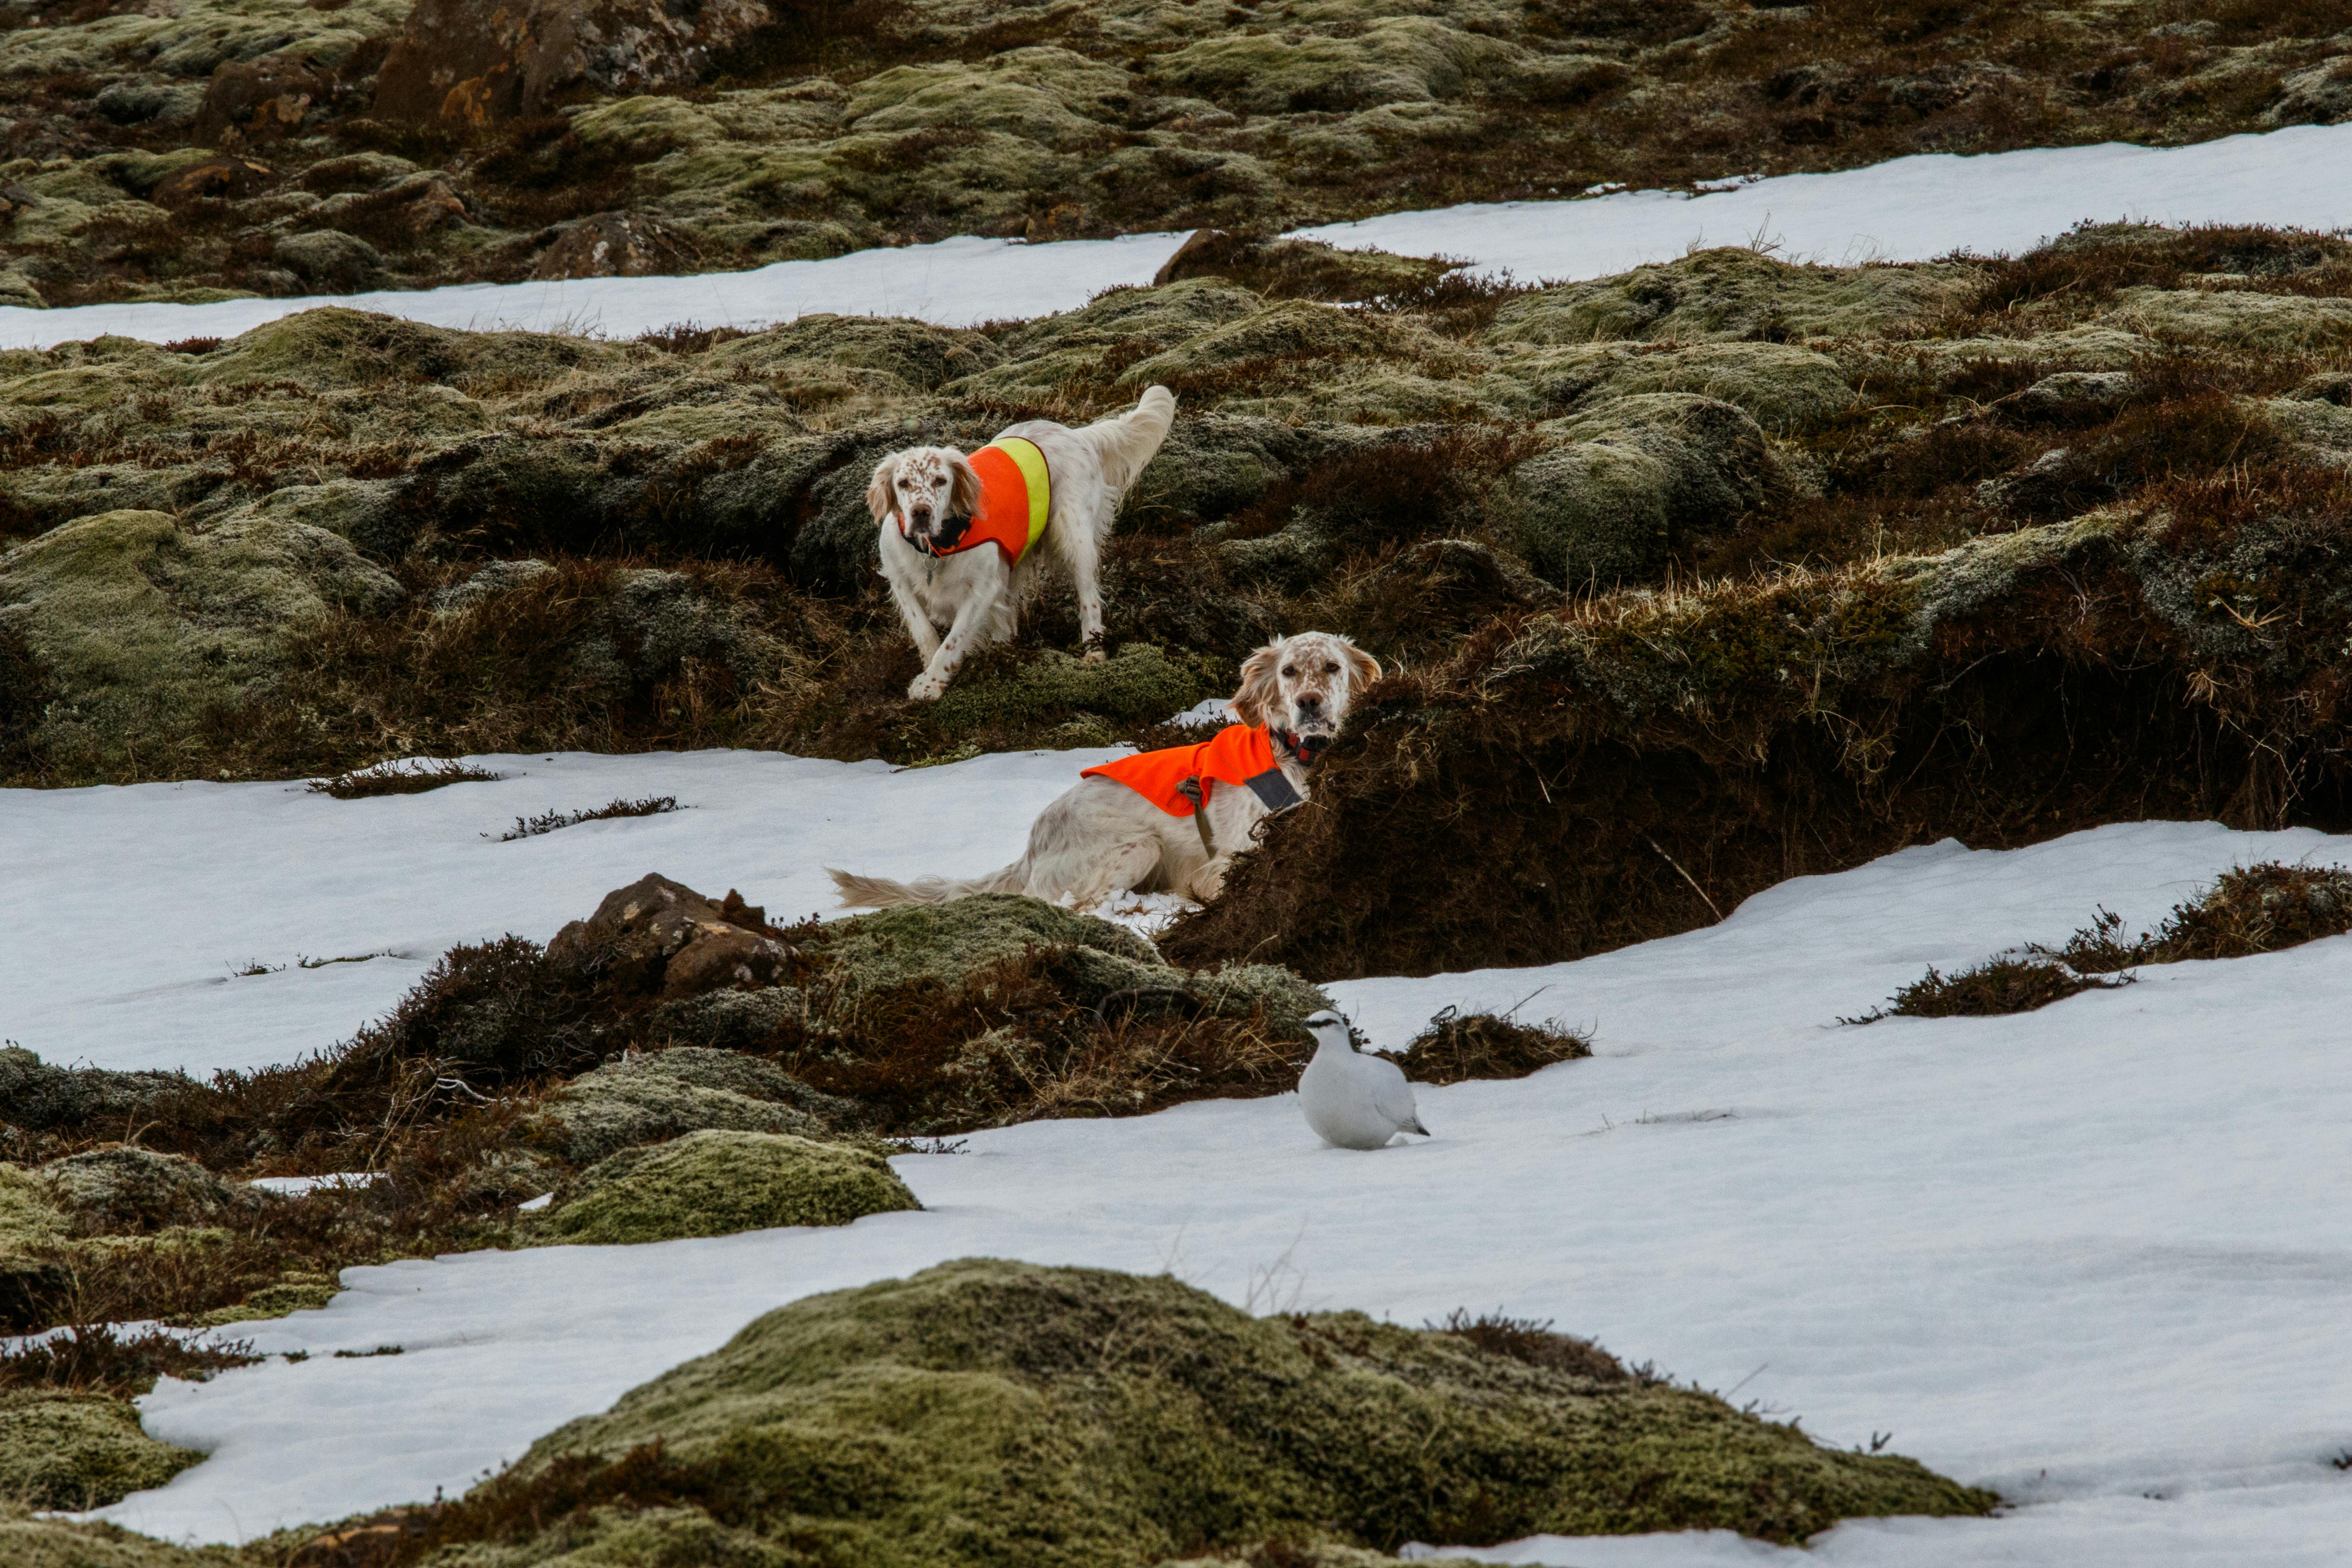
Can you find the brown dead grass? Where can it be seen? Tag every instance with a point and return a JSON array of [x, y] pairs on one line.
[[104, 1358], [2254, 909], [1459, 1046], [1534, 1343]]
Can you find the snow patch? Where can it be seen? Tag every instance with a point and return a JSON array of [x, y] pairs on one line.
[[1908, 209], [2090, 1256]]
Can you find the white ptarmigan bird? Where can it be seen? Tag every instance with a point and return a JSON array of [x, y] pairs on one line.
[[1353, 1100]]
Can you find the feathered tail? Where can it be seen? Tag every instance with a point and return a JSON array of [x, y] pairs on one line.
[[881, 893], [1127, 441]]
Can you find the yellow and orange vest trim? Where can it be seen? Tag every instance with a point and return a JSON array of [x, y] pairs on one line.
[[1016, 492], [1238, 754]]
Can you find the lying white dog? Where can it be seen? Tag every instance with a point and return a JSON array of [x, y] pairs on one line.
[[1038, 489], [1134, 823]]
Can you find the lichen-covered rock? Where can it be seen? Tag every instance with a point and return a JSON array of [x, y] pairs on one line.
[[37, 1095], [330, 260], [659, 935], [1784, 387], [663, 1094], [76, 1451], [32, 1227], [292, 1293], [466, 64], [1140, 684], [949, 942], [718, 1182], [2247, 322], [966, 1414], [145, 625], [612, 245], [1732, 293], [127, 1187], [1602, 506]]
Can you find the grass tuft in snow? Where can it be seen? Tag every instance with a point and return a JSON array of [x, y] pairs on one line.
[[1996, 986], [2255, 909], [400, 778], [1457, 1047], [547, 822]]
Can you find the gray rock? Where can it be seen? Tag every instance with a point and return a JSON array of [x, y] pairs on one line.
[[327, 258], [2077, 394], [497, 578]]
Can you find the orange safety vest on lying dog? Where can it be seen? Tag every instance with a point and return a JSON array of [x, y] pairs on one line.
[[1238, 754], [1016, 491]]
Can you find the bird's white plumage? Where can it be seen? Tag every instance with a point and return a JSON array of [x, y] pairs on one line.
[[1350, 1100]]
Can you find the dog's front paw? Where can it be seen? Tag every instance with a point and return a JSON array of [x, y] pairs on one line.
[[928, 688], [1094, 654]]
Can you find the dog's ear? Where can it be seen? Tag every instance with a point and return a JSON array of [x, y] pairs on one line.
[[1362, 667], [963, 496], [1259, 688], [880, 499]]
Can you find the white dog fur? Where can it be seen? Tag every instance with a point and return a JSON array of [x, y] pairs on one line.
[[1102, 838], [972, 595]]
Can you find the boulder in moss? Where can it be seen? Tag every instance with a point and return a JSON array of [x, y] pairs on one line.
[[37, 1095], [660, 1095], [2245, 321], [128, 1187], [1603, 507], [31, 1226], [718, 1182], [76, 1451], [292, 1293], [1782, 386], [1140, 684], [995, 1411], [144, 626], [1732, 293], [950, 942]]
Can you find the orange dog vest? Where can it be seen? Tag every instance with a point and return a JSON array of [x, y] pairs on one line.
[[1238, 754], [1015, 495]]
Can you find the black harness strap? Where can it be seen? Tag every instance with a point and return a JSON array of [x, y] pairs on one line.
[[1196, 791]]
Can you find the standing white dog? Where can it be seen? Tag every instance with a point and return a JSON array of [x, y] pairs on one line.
[[961, 536], [1172, 821]]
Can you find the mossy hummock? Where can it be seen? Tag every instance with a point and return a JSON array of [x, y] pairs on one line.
[[993, 1412]]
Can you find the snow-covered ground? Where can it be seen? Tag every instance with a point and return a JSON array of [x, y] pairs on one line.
[[1910, 209], [134, 911], [2091, 1256]]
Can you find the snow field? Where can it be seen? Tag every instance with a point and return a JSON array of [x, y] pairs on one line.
[[1910, 209], [227, 877], [2083, 1255]]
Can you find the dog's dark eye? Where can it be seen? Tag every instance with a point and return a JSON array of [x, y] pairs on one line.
[[1330, 669], [1289, 669]]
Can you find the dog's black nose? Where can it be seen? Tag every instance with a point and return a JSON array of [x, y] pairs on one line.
[[1308, 702]]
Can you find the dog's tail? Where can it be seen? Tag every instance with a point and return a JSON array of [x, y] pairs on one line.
[[1125, 442], [880, 893]]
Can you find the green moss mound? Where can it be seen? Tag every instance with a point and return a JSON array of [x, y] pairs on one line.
[[664, 1094], [130, 1187], [144, 625], [993, 1412], [27, 1542], [950, 942], [717, 1182], [1140, 684], [74, 1451]]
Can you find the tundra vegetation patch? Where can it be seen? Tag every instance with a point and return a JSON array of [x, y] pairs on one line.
[[670, 1066], [1691, 579], [264, 147], [2254, 909], [993, 1412]]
